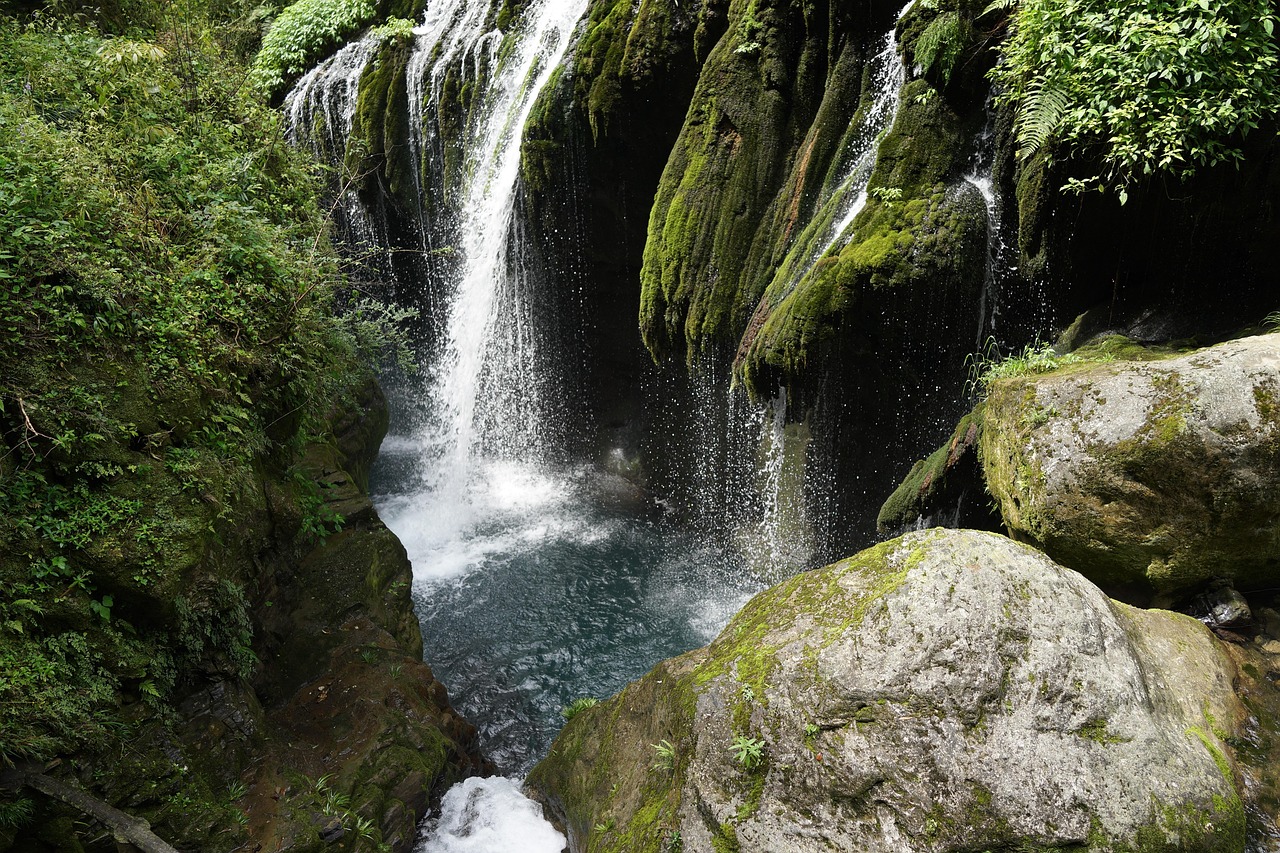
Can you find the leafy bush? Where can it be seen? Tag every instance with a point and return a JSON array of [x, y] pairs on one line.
[[1154, 86], [167, 338], [302, 34], [941, 45]]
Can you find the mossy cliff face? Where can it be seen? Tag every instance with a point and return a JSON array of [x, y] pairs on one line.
[[300, 702], [946, 690], [1160, 475], [749, 133], [591, 157], [765, 145]]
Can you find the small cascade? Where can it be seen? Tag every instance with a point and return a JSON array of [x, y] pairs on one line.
[[744, 465], [319, 112], [782, 540], [998, 254], [489, 815], [829, 227], [736, 469]]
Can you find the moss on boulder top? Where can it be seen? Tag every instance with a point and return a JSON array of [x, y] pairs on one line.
[[1158, 474], [946, 690]]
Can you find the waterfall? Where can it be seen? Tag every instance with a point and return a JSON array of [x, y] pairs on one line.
[[998, 264], [829, 228], [319, 112], [747, 472]]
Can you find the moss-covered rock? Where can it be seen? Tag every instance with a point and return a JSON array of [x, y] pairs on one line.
[[947, 482], [946, 690], [1157, 474], [919, 233], [772, 103]]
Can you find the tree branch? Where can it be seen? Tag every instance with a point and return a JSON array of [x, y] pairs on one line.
[[124, 827]]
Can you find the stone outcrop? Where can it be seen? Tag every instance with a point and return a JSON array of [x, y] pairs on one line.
[[1158, 475], [949, 690], [307, 717]]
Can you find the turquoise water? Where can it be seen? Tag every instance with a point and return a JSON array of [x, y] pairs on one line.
[[538, 586]]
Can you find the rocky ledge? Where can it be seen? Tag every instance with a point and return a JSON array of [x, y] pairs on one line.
[[948, 690]]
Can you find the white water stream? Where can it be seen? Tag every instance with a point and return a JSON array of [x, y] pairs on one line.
[[838, 211], [575, 599]]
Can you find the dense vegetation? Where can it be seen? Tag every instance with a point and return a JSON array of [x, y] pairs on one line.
[[167, 334], [1158, 86]]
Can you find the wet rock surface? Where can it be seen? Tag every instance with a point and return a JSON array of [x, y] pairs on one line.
[[949, 690]]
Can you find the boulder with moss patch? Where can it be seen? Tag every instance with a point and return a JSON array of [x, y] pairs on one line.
[[1157, 474], [947, 690]]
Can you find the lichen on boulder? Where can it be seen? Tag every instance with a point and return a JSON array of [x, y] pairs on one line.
[[949, 690], [1157, 474]]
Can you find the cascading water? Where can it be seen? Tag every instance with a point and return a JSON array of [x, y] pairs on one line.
[[746, 469], [998, 264], [319, 112], [830, 226], [536, 582], [539, 582]]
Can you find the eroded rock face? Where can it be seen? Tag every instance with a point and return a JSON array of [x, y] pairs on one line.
[[1161, 474], [949, 690]]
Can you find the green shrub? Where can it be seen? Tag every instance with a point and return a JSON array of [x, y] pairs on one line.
[[577, 706], [1140, 88], [940, 45], [302, 34]]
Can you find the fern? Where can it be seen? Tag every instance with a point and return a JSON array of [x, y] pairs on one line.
[[1042, 112], [998, 6], [940, 45]]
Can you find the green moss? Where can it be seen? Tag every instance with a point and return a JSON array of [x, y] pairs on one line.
[[929, 477], [917, 234], [725, 839], [756, 148], [1097, 731], [378, 145]]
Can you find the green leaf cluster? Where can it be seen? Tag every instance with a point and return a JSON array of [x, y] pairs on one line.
[[169, 340], [1141, 88], [303, 33]]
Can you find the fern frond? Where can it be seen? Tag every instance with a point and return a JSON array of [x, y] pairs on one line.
[[940, 45], [1043, 107], [998, 6]]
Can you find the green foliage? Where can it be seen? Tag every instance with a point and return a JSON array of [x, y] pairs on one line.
[[577, 706], [302, 34], [397, 29], [1157, 86], [167, 338], [665, 755], [214, 629], [941, 44], [747, 751], [16, 813], [989, 366]]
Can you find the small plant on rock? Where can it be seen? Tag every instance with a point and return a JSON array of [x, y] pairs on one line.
[[747, 751], [665, 755], [577, 706]]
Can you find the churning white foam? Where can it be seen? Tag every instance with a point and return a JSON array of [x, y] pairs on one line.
[[490, 816]]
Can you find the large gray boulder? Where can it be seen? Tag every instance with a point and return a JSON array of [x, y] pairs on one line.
[[1159, 475], [948, 690]]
